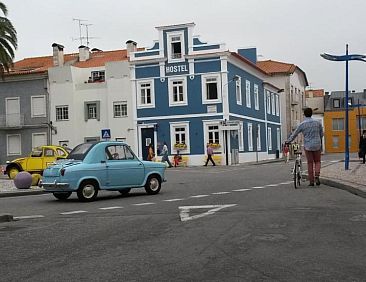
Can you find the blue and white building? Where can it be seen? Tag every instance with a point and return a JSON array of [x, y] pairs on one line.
[[188, 93]]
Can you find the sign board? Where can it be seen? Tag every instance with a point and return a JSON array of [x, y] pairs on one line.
[[106, 133], [229, 125]]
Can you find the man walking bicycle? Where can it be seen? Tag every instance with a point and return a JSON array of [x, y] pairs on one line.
[[312, 131]]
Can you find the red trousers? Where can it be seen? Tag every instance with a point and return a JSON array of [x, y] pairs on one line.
[[313, 159]]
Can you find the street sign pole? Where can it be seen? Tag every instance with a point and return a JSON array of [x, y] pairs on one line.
[[346, 157]]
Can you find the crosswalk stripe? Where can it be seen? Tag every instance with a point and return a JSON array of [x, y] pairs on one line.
[[72, 212], [220, 193], [110, 208], [241, 190], [144, 204], [199, 196], [27, 217], [173, 200]]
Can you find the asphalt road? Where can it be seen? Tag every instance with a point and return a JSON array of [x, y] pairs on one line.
[[242, 223]]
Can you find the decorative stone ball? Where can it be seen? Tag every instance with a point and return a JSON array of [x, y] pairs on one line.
[[35, 179], [23, 180]]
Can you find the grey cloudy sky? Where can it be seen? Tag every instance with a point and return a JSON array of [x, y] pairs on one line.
[[291, 31]]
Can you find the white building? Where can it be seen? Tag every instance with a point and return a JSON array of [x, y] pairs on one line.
[[89, 92]]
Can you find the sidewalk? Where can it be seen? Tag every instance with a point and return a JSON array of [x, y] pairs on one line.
[[332, 174]]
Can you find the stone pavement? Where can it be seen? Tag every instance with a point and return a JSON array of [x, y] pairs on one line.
[[332, 174]]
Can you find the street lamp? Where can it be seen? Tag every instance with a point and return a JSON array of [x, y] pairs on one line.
[[345, 58]]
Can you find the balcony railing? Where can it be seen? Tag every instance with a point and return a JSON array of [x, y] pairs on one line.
[[11, 120]]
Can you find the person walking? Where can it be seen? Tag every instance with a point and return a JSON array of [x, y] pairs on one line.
[[165, 155], [210, 153], [362, 146], [286, 151], [312, 131], [150, 153]]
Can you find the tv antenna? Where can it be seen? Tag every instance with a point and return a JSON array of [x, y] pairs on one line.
[[81, 37]]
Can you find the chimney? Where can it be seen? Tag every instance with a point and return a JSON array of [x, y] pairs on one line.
[[131, 46], [58, 55], [84, 53]]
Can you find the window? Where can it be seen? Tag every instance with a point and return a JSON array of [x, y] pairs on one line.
[[337, 124], [119, 109], [277, 105], [335, 141], [269, 133], [176, 46], [146, 94], [213, 134], [256, 97], [177, 91], [13, 144], [259, 145], [179, 134], [362, 120], [63, 143], [268, 102], [38, 106], [238, 91], [118, 152], [97, 76], [241, 137], [48, 152], [62, 113], [250, 137], [39, 139], [92, 110], [336, 103], [273, 104], [247, 93], [350, 101], [210, 89]]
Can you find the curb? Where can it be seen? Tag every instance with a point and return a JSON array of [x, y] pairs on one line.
[[21, 193], [343, 186], [6, 218]]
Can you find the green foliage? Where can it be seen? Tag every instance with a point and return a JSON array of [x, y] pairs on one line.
[[8, 40]]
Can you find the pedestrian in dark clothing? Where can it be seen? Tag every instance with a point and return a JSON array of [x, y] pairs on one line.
[[210, 153], [362, 146]]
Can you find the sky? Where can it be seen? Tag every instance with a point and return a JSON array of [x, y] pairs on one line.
[[290, 31]]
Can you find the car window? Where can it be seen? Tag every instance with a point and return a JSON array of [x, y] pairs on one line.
[[37, 152], [48, 152], [116, 152], [128, 153], [80, 151], [61, 152]]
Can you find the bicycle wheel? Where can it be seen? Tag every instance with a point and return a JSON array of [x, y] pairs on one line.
[[295, 174], [298, 176]]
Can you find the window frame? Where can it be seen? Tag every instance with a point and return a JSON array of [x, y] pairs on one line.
[[277, 100], [273, 105], [204, 88], [248, 101], [152, 94], [339, 121], [256, 97], [250, 137], [7, 145], [120, 104], [336, 100], [269, 138], [238, 91], [173, 126], [171, 82], [170, 36], [268, 101], [259, 143], [44, 114], [62, 107]]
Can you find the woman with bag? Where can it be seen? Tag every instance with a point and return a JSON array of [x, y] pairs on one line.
[[362, 146]]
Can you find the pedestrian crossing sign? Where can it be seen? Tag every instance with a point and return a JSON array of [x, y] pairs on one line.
[[106, 133]]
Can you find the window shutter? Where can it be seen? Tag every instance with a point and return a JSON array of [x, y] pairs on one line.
[[39, 106], [98, 110], [86, 111]]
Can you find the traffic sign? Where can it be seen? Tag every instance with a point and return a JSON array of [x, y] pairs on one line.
[[106, 133]]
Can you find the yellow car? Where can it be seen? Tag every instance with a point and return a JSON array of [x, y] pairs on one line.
[[37, 161]]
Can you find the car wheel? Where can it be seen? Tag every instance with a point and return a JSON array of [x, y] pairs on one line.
[[125, 192], [12, 172], [62, 195], [87, 191], [153, 185]]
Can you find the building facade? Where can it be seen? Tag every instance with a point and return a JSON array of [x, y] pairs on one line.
[[292, 81], [24, 109], [334, 120], [189, 93]]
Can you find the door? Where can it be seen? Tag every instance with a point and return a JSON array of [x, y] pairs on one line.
[[12, 112], [147, 138]]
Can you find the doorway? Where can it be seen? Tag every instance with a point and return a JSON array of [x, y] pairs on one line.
[[147, 138]]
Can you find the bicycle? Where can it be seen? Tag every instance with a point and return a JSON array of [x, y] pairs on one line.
[[297, 170]]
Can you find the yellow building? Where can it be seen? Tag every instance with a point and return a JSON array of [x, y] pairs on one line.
[[334, 121]]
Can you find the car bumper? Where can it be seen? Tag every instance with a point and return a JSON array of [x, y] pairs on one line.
[[54, 186]]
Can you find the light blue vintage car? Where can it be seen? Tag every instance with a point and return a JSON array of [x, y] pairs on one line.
[[106, 165]]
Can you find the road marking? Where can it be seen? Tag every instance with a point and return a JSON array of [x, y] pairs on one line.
[[144, 204], [184, 211], [241, 190], [220, 193], [258, 187], [111, 208], [173, 200], [27, 217], [272, 185], [199, 196], [72, 212], [285, 183]]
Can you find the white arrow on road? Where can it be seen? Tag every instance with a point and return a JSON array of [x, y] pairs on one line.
[[184, 211]]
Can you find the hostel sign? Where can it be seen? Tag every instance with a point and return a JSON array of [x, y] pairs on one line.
[[174, 69]]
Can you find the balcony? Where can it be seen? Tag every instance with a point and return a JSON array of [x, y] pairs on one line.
[[11, 121]]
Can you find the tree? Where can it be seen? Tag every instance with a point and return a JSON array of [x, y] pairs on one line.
[[8, 41]]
